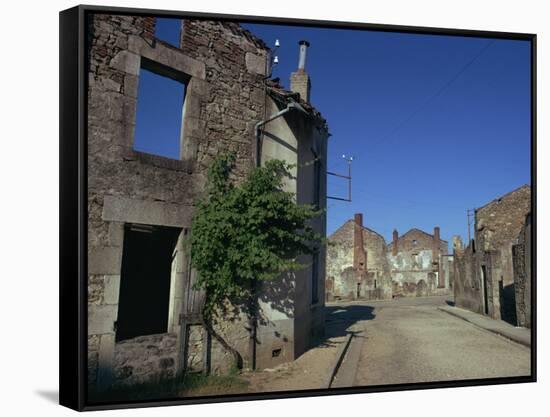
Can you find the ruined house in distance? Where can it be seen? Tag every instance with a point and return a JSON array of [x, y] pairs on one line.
[[493, 273], [361, 266], [356, 263], [419, 263], [143, 313]]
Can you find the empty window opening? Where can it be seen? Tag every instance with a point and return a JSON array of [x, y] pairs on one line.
[[315, 279], [358, 289], [414, 242], [276, 353], [159, 115], [168, 30], [145, 280]]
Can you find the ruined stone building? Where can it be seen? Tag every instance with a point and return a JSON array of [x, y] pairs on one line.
[[419, 264], [361, 265], [143, 313], [493, 273], [356, 263]]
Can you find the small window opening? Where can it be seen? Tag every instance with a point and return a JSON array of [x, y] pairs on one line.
[[414, 242], [168, 30], [145, 280], [276, 353], [159, 115]]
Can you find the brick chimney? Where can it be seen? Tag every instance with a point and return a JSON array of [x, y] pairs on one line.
[[394, 246], [435, 258], [359, 253], [436, 245], [299, 80]]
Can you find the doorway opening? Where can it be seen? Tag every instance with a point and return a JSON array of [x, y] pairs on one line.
[[484, 283], [145, 280]]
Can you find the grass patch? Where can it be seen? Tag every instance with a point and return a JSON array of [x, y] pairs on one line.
[[200, 384], [191, 385]]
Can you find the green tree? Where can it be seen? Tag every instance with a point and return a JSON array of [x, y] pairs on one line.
[[247, 233]]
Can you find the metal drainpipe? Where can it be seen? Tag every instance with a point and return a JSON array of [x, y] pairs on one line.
[[290, 106]]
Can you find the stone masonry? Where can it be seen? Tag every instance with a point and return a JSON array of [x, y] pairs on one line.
[[356, 263], [486, 270], [133, 193], [419, 263], [522, 273]]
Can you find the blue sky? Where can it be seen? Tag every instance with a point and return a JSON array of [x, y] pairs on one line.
[[436, 124]]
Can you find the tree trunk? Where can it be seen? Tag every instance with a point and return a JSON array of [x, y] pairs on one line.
[[253, 324], [207, 322], [236, 355]]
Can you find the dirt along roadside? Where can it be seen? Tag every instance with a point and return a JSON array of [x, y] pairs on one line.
[[312, 370]]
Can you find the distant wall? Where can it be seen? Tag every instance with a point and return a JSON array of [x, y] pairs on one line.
[[414, 271], [491, 274], [347, 282]]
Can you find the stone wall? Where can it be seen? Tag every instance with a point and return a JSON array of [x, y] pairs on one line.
[[374, 281], [235, 63], [522, 274], [498, 224], [222, 66], [414, 270], [467, 287], [485, 276], [497, 227], [145, 359]]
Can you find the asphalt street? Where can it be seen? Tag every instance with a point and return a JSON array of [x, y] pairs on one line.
[[409, 340]]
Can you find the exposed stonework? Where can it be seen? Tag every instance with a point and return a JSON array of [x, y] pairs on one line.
[[223, 67], [351, 245], [145, 358], [419, 264], [484, 270], [522, 274]]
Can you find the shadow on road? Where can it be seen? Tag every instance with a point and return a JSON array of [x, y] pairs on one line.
[[349, 313], [340, 319]]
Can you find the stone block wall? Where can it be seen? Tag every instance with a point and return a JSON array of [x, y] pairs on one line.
[[414, 269], [223, 67], [374, 280], [235, 64], [522, 274], [145, 358], [493, 262], [466, 286], [498, 224]]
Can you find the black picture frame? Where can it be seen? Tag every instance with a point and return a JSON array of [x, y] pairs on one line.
[[73, 207]]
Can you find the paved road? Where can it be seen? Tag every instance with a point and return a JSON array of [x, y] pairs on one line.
[[410, 340]]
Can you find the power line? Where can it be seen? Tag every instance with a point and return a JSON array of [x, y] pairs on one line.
[[437, 94]]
